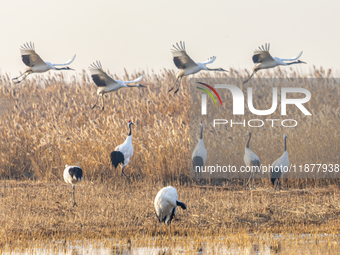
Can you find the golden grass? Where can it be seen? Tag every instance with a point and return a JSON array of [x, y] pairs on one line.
[[43, 210], [48, 126]]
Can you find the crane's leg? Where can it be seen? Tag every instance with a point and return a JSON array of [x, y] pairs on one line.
[[245, 81], [276, 184], [17, 78], [174, 84], [103, 102], [179, 85], [279, 184], [249, 180], [74, 200], [161, 229], [253, 181], [95, 103], [127, 177], [169, 229]]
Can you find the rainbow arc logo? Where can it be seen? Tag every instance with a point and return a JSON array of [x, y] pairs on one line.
[[209, 93]]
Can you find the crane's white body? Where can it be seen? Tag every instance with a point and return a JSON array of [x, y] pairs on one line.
[[251, 160], [199, 155], [106, 83], [281, 165], [114, 85], [263, 60], [72, 175], [123, 152], [36, 64], [165, 203], [200, 151], [250, 157], [127, 149]]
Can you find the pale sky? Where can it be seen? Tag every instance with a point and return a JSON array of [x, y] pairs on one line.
[[138, 35]]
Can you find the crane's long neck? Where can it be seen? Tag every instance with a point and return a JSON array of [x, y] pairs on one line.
[[214, 69], [130, 130], [285, 144], [248, 141], [62, 68], [292, 63], [130, 86], [201, 134]]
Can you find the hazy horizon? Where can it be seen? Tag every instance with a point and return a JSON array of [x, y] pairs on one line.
[[138, 35]]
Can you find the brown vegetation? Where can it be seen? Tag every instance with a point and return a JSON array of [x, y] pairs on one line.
[[49, 124], [39, 210]]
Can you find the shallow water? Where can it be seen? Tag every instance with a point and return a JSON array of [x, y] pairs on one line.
[[244, 244]]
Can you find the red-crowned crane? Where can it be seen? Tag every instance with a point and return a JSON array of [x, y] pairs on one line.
[[106, 83], [199, 155], [73, 175], [251, 160], [36, 64], [280, 166], [166, 203], [264, 60], [123, 152], [187, 65]]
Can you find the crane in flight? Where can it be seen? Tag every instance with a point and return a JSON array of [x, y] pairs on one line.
[[263, 60], [106, 83], [187, 66], [36, 64]]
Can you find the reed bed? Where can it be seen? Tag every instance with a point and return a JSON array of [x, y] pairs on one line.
[[46, 122]]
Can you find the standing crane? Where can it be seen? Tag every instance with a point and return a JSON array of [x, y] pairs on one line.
[[166, 203], [280, 166], [251, 160], [187, 65], [263, 60], [36, 64], [106, 83], [199, 155], [73, 175], [123, 152]]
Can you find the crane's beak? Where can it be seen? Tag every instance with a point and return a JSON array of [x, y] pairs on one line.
[[302, 62], [142, 86]]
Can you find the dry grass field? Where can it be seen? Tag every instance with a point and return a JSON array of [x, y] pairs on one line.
[[46, 123], [41, 210]]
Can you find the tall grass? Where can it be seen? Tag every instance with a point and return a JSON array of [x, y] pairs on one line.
[[46, 123]]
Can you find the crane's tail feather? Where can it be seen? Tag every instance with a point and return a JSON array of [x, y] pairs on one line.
[[116, 158], [181, 204], [76, 173], [272, 180], [197, 161]]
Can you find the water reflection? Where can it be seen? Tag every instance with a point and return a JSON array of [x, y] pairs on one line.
[[269, 244]]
